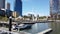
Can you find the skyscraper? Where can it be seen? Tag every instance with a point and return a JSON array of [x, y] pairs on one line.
[[18, 7], [2, 4], [8, 6], [55, 8]]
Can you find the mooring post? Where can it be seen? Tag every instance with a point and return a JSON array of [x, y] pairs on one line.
[[10, 23]]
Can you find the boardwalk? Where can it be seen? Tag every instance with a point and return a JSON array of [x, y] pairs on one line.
[[45, 31]]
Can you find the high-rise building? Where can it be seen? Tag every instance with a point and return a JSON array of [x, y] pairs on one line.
[[2, 12], [8, 6], [18, 7], [8, 13], [55, 8], [14, 14], [2, 4]]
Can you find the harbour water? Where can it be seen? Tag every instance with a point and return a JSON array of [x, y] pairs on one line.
[[39, 27], [55, 27]]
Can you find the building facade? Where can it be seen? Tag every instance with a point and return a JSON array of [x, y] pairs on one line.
[[8, 6], [2, 4], [2, 12], [15, 14], [8, 13], [18, 7], [55, 8]]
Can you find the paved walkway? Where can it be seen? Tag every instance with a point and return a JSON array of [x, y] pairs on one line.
[[3, 29]]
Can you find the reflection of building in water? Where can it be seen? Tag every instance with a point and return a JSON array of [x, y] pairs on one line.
[[55, 27]]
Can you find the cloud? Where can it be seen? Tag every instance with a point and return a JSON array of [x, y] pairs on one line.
[[26, 13], [35, 13]]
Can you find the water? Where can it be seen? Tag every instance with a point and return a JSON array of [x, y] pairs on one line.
[[38, 27], [55, 27]]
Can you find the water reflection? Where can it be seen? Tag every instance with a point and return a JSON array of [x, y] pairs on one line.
[[38, 27]]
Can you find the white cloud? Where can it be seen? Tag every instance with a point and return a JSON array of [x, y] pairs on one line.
[[26, 13], [35, 13]]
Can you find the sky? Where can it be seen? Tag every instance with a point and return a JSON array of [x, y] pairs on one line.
[[36, 7]]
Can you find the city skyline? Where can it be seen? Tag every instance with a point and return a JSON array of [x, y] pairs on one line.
[[32, 6]]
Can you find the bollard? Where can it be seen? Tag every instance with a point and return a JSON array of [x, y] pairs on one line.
[[10, 23]]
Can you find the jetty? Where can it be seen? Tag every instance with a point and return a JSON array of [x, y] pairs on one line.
[[45, 31]]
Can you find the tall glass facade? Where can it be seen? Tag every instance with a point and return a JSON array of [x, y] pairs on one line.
[[2, 4], [54, 7], [18, 7], [8, 6], [8, 13]]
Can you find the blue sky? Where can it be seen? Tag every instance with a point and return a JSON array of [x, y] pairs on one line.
[[35, 7]]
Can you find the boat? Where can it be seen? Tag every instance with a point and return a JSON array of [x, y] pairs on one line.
[[22, 26]]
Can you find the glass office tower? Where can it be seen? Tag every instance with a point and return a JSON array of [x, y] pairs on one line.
[[18, 7], [8, 6], [54, 8], [2, 4]]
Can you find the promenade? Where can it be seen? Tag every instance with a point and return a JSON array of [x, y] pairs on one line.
[[3, 30]]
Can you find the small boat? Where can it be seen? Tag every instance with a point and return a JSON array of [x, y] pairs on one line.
[[22, 26]]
